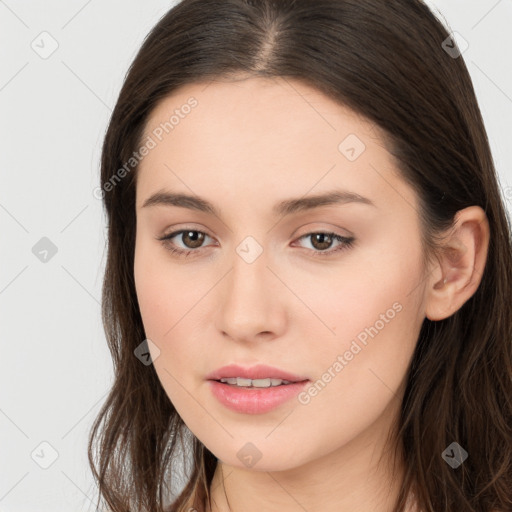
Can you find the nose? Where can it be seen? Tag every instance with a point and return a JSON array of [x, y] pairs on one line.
[[251, 302]]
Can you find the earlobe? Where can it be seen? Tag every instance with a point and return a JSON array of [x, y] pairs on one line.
[[460, 264]]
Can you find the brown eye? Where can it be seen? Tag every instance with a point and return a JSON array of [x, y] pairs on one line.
[[321, 241], [192, 239]]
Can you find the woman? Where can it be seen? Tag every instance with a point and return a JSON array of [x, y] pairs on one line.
[[309, 267]]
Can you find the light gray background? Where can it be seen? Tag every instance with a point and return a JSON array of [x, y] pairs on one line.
[[55, 365]]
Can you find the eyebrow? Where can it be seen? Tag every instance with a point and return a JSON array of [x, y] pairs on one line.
[[283, 208]]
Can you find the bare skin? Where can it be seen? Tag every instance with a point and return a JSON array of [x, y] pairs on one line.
[[247, 145]]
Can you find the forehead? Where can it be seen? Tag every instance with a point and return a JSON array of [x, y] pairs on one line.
[[284, 102], [264, 135]]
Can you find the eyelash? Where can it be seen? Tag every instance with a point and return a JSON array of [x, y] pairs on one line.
[[346, 243]]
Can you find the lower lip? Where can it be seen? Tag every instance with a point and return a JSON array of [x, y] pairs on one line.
[[255, 400]]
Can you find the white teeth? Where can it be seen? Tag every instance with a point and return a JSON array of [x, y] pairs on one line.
[[256, 383]]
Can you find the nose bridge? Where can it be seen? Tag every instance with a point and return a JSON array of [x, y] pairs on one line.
[[250, 298], [250, 274]]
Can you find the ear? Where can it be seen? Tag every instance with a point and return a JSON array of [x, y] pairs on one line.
[[456, 275]]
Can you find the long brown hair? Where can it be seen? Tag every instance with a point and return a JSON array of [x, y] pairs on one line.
[[394, 63]]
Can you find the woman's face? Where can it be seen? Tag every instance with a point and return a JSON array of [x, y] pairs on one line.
[[269, 285]]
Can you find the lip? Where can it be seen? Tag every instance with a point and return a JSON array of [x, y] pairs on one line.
[[260, 371], [254, 401]]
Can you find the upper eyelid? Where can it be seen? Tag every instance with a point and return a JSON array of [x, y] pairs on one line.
[[333, 229]]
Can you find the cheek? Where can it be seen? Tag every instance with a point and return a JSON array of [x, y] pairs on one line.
[[372, 310], [161, 312], [168, 298], [162, 291], [154, 289], [373, 281], [150, 286]]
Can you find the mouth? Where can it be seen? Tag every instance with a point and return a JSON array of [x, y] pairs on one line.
[[243, 383], [254, 399], [259, 376]]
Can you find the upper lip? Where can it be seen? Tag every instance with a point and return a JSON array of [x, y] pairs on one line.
[[260, 371]]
